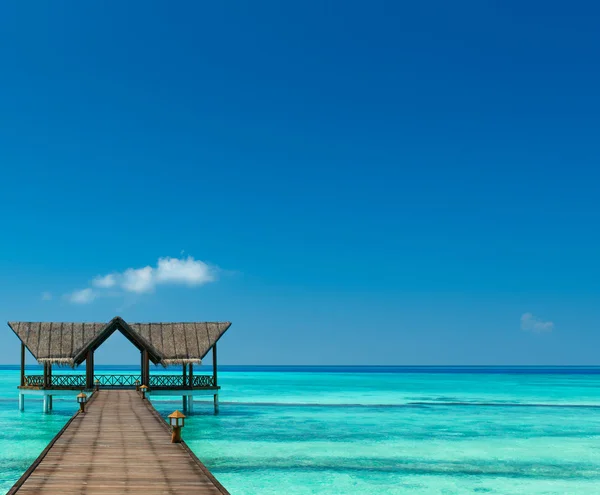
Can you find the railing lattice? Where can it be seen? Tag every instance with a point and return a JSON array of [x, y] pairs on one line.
[[121, 381]]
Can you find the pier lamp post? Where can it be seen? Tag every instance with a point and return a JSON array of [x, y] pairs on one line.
[[97, 383], [176, 420], [137, 385], [82, 399], [143, 389]]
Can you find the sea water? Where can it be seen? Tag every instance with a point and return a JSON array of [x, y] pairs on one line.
[[344, 431]]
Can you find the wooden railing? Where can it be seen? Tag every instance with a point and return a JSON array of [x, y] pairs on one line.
[[165, 381], [117, 381], [34, 381], [121, 381], [203, 381], [176, 381], [74, 381], [68, 381]]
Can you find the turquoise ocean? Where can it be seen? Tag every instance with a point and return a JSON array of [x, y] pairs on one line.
[[362, 430]]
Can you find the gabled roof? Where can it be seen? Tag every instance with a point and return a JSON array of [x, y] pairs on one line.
[[167, 343]]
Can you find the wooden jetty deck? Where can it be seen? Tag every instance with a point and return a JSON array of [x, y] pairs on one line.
[[120, 445]]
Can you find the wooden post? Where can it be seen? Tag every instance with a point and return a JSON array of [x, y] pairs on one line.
[[215, 365], [50, 380], [22, 364], [45, 378], [145, 368], [176, 434], [184, 366], [89, 370], [191, 376]]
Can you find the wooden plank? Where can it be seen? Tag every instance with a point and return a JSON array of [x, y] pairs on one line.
[[120, 445]]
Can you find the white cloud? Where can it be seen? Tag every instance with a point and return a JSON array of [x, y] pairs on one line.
[[46, 296], [83, 296], [105, 282], [530, 323], [183, 271], [138, 280], [168, 271]]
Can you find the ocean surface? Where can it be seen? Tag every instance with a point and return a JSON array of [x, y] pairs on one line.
[[362, 430]]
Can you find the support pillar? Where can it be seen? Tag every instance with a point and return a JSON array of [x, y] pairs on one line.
[[184, 366], [185, 403], [190, 404], [141, 367], [49, 403], [89, 370], [214, 365], [145, 368], [45, 406], [191, 376], [21, 401], [216, 401], [22, 365]]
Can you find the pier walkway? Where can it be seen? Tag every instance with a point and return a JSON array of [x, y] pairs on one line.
[[120, 445]]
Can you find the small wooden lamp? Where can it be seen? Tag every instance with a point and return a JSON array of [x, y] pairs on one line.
[[82, 399]]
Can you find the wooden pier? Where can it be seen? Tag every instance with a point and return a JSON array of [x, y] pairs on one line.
[[120, 445]]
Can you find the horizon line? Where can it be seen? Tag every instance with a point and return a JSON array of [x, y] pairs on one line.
[[359, 365]]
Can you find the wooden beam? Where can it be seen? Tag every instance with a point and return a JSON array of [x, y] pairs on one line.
[[89, 369], [22, 364], [184, 367], [215, 365], [191, 375]]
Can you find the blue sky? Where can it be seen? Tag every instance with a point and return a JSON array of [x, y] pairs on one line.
[[348, 183]]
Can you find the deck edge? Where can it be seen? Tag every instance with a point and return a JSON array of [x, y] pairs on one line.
[[21, 481]]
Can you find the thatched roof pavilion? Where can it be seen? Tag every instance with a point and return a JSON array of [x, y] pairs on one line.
[[166, 343]]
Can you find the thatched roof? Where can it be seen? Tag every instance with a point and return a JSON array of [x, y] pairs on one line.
[[166, 343]]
